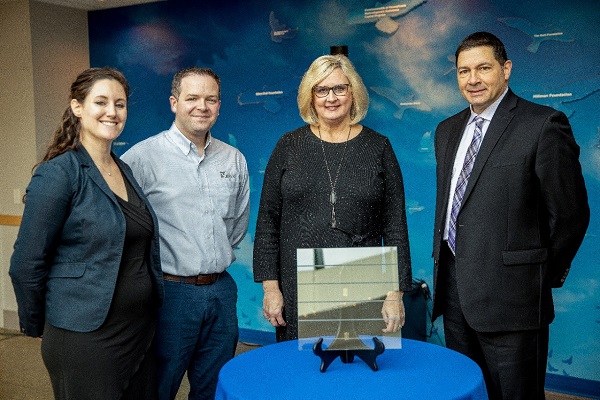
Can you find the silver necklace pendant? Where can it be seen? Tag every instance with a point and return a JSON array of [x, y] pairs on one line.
[[333, 219], [333, 182]]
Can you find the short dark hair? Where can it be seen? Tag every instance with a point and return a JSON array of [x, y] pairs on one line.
[[176, 84], [478, 39]]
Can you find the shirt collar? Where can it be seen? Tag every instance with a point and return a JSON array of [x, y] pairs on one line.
[[489, 112], [183, 143]]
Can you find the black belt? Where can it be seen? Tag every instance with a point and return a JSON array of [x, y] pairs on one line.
[[201, 279]]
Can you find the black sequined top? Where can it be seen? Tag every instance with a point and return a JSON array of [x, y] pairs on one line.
[[295, 208]]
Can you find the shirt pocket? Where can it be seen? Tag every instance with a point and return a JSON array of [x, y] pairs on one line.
[[224, 197]]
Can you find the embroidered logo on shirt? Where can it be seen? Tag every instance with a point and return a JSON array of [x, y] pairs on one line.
[[225, 174]]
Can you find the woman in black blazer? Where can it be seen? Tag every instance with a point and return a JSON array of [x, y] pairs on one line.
[[86, 266]]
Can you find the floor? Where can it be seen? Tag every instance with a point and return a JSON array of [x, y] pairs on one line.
[[24, 377]]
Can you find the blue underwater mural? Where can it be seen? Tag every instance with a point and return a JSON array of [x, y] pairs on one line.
[[404, 51]]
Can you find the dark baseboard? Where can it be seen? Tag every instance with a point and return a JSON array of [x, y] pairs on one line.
[[253, 336], [573, 386]]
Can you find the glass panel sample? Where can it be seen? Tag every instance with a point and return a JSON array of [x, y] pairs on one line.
[[341, 292]]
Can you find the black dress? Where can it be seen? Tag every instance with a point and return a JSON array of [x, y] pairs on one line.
[[295, 211], [116, 361]]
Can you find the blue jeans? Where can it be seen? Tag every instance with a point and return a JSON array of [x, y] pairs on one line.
[[197, 332]]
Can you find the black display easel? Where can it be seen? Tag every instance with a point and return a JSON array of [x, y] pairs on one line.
[[369, 356]]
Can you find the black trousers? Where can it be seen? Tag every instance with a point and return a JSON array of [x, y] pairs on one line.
[[513, 362]]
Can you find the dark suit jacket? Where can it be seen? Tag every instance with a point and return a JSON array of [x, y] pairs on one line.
[[68, 251], [523, 216]]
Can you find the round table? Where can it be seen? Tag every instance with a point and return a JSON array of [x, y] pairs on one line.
[[418, 370]]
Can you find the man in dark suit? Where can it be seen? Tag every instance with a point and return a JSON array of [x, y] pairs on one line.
[[511, 213]]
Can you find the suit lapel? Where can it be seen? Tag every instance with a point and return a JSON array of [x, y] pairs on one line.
[[502, 117], [453, 136]]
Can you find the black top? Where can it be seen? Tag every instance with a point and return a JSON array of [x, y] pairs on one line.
[[112, 361], [295, 208]]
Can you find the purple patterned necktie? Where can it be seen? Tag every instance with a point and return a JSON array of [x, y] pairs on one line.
[[461, 183]]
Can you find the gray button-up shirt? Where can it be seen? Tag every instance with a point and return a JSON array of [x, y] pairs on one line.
[[202, 202]]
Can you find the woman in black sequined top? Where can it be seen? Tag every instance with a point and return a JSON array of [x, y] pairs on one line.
[[330, 183]]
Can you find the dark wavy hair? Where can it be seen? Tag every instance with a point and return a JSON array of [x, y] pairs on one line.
[[66, 137], [479, 39]]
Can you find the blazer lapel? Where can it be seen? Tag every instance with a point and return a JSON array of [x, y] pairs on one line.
[[93, 172], [134, 184]]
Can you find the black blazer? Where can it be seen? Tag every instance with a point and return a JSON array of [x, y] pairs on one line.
[[523, 216]]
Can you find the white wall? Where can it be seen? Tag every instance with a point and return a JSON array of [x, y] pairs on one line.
[[42, 48]]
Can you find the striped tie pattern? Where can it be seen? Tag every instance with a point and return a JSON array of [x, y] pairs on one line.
[[461, 183]]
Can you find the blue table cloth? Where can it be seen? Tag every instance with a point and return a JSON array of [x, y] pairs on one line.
[[418, 370]]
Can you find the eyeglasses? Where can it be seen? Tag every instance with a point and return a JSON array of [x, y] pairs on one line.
[[338, 90]]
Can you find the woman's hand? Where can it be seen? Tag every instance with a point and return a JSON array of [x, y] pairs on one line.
[[273, 303], [393, 312]]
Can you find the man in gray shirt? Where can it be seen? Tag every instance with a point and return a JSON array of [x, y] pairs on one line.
[[198, 187]]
